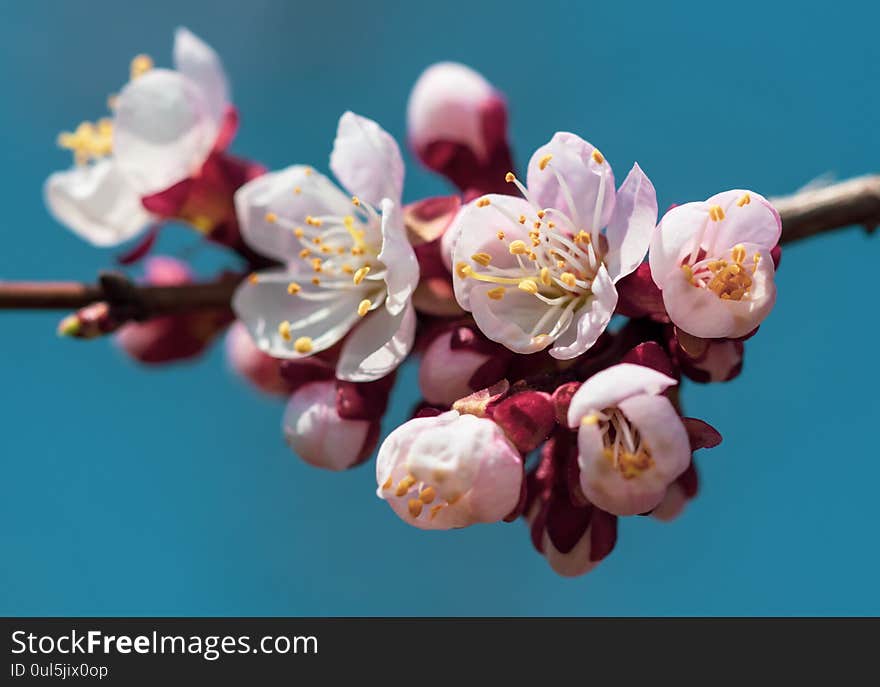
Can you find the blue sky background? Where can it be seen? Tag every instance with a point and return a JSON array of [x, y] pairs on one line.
[[134, 492]]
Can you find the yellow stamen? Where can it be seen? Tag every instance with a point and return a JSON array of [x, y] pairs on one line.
[[415, 507], [528, 285], [356, 201], [316, 264], [299, 232], [303, 345], [482, 259], [284, 330], [744, 200], [590, 419], [483, 202], [544, 161], [316, 280], [497, 293], [545, 276], [347, 269], [297, 190], [387, 484], [597, 156], [568, 279], [293, 288], [738, 254], [500, 235], [140, 65], [404, 485], [427, 495], [304, 253], [518, 247], [716, 213], [510, 177], [522, 219], [688, 273], [254, 278], [463, 270], [360, 274], [364, 306]]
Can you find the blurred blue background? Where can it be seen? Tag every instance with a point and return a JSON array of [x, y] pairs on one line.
[[128, 491]]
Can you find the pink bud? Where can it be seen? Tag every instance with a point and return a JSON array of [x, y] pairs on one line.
[[458, 362], [527, 418], [251, 364], [449, 471], [457, 124], [318, 434]]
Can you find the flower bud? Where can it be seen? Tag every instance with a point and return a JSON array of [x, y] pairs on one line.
[[251, 364], [320, 434], [458, 362], [457, 126], [527, 418], [449, 471]]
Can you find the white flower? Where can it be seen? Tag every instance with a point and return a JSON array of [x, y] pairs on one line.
[[166, 123], [541, 270], [348, 263]]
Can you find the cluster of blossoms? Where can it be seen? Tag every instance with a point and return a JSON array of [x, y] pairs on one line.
[[533, 405]]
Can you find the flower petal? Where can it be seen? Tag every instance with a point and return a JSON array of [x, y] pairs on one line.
[[591, 321], [377, 346], [275, 193], [631, 225], [510, 320], [96, 203], [265, 305], [398, 256], [749, 218], [573, 159], [674, 238], [700, 312], [366, 160], [198, 62], [612, 385], [163, 130]]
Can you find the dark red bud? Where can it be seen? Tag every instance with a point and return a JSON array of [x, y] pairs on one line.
[[527, 418], [562, 399], [650, 354], [701, 434]]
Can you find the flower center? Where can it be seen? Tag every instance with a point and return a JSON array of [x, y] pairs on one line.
[[729, 277], [94, 140], [419, 495], [623, 447]]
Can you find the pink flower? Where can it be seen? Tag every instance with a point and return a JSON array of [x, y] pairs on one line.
[[541, 270], [165, 125], [324, 432], [632, 444], [712, 261], [172, 337], [457, 126], [457, 362], [251, 364], [449, 471], [349, 269]]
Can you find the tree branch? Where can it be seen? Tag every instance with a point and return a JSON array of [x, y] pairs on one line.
[[815, 211]]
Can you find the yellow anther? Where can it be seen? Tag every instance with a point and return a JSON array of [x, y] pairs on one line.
[[500, 235], [463, 270], [313, 222], [271, 217], [326, 250], [316, 280], [688, 273], [436, 509], [745, 199], [522, 219], [597, 156], [497, 293], [254, 278], [541, 214], [483, 202], [738, 254], [347, 269], [482, 259], [360, 274], [387, 484], [140, 65], [284, 330], [357, 250], [544, 161], [533, 255], [583, 237], [537, 225], [716, 213], [591, 419], [309, 171], [427, 495], [293, 288], [317, 264], [518, 247], [317, 240], [299, 232], [510, 177], [89, 141], [303, 345], [356, 201], [528, 285], [304, 253], [297, 190], [415, 507], [404, 485], [545, 276], [568, 279], [364, 306]]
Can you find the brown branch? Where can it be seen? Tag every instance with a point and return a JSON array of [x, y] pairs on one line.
[[815, 211]]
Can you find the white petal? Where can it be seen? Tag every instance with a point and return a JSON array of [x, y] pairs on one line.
[[274, 192], [96, 203], [591, 321], [675, 238], [611, 386], [631, 225], [366, 160], [377, 346], [198, 62], [755, 221], [510, 320], [163, 130], [265, 305], [398, 257]]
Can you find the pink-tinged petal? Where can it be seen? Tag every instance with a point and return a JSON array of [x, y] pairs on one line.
[[251, 364], [510, 320], [197, 61], [445, 373], [377, 346], [721, 362], [445, 105], [366, 160], [574, 160], [96, 203], [275, 193], [398, 255], [590, 321], [748, 218], [265, 305], [475, 230], [700, 312], [316, 432], [163, 130], [473, 472], [701, 434], [672, 505], [674, 239], [632, 224], [612, 385]]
